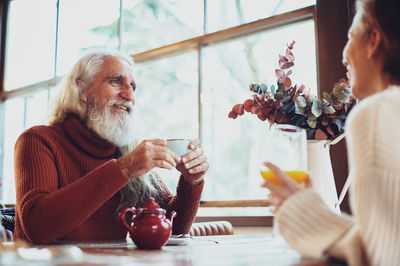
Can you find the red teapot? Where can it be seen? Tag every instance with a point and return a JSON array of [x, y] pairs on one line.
[[149, 228]]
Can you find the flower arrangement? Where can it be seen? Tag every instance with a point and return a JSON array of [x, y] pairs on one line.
[[287, 104]]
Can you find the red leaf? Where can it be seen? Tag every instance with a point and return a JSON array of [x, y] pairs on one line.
[[286, 65], [255, 108], [286, 120], [232, 114], [267, 110], [330, 131], [261, 116], [292, 92], [271, 102], [258, 99], [320, 134], [248, 104], [279, 73], [280, 118], [287, 83], [271, 117], [290, 46], [296, 95], [277, 105], [290, 57], [238, 108]]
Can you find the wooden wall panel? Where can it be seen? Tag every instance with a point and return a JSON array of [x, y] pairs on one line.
[[333, 18]]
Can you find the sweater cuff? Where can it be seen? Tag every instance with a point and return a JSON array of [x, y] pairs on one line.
[[187, 201], [308, 225], [188, 191]]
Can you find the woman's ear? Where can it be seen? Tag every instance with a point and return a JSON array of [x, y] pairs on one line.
[[374, 41], [82, 89]]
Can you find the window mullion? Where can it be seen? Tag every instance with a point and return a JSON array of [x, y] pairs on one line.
[[199, 78], [56, 41]]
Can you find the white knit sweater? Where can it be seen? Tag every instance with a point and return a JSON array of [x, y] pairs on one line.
[[372, 235]]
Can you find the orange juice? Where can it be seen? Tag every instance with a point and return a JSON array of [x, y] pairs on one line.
[[297, 175]]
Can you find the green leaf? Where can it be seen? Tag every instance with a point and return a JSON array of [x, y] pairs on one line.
[[253, 87], [311, 117], [337, 89], [342, 97], [335, 102], [301, 102], [300, 110], [316, 108], [327, 97], [272, 88], [281, 86], [328, 110], [263, 88], [312, 123]]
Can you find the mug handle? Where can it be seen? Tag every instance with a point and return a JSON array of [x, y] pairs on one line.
[[123, 219]]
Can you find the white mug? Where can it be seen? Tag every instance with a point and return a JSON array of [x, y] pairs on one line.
[[179, 146]]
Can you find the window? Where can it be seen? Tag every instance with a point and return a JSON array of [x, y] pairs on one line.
[[222, 14], [231, 145], [166, 102], [188, 77], [152, 24], [82, 27], [30, 42]]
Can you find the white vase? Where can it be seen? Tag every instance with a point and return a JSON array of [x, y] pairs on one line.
[[320, 169]]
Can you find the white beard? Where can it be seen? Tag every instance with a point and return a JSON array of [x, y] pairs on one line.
[[115, 128], [119, 130]]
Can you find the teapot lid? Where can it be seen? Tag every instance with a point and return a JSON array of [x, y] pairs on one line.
[[151, 206]]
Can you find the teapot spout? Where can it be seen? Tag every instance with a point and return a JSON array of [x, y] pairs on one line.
[[172, 216]]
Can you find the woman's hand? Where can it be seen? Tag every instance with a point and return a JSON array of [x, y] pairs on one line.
[[279, 193], [194, 164]]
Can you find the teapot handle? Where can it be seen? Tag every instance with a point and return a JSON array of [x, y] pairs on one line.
[[123, 219], [172, 216]]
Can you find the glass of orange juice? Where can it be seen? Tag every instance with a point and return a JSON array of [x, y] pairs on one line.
[[286, 147]]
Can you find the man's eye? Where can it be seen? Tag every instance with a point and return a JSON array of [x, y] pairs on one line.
[[115, 81]]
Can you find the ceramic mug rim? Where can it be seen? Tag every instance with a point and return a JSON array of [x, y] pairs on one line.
[[177, 139]]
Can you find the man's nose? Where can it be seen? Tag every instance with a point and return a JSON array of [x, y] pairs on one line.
[[127, 93]]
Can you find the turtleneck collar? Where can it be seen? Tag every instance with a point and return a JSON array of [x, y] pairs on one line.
[[86, 140]]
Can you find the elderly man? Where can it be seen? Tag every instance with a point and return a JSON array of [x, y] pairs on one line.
[[75, 175]]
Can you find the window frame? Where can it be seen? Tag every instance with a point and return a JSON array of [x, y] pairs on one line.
[[3, 34], [324, 14]]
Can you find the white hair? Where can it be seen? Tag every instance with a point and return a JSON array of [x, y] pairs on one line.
[[137, 190], [85, 70]]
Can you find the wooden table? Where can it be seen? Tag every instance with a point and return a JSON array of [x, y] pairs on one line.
[[211, 250]]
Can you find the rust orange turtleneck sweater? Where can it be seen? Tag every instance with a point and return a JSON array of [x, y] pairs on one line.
[[67, 184]]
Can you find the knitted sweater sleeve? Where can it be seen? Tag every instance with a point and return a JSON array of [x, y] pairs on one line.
[[373, 235], [45, 211], [185, 203]]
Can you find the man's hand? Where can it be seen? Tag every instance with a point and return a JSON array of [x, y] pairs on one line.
[[194, 164], [148, 155]]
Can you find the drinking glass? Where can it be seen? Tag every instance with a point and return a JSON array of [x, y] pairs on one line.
[[286, 147]]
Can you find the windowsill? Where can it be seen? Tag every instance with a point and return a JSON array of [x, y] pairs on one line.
[[261, 221], [252, 230]]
